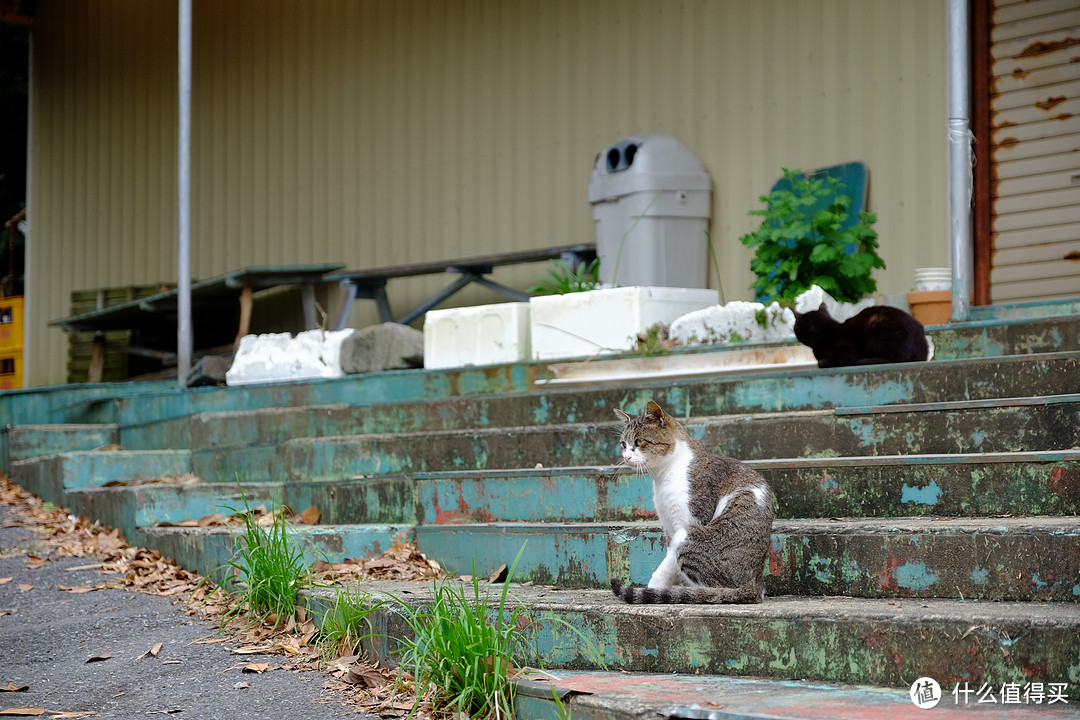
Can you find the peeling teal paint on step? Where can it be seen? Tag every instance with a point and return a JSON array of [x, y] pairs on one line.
[[541, 411], [980, 576], [915, 576], [927, 495]]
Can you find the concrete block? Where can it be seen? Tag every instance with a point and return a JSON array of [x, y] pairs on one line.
[[480, 335], [389, 346], [607, 321]]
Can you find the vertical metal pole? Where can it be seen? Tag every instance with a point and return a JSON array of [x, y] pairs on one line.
[[960, 173], [30, 377], [183, 191]]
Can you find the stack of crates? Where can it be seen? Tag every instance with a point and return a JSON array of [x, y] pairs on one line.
[[11, 342]]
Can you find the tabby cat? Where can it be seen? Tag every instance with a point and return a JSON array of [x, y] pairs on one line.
[[878, 334], [716, 514]]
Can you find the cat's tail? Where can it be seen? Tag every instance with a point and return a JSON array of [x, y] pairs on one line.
[[682, 594]]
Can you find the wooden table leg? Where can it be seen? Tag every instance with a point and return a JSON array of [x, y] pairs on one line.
[[307, 299], [97, 359], [246, 301]]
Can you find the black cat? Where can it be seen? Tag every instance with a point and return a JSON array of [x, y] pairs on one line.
[[878, 334]]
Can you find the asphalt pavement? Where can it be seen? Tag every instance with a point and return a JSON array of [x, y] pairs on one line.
[[87, 653]]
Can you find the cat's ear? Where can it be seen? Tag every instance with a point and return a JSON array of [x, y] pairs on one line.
[[822, 307], [653, 412], [625, 418]]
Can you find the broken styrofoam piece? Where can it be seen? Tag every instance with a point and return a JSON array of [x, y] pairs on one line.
[[477, 335], [740, 321], [277, 357]]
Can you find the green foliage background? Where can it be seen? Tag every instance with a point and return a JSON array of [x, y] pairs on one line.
[[797, 246]]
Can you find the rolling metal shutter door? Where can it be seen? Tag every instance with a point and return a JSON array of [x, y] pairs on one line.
[[1035, 135]]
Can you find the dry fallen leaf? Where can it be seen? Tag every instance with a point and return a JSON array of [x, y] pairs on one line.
[[152, 651], [79, 589], [241, 685], [23, 711], [12, 687], [311, 515], [259, 668], [6, 580], [99, 658], [252, 649], [499, 575], [25, 587]]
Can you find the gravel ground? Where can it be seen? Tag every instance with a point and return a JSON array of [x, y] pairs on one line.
[[48, 639]]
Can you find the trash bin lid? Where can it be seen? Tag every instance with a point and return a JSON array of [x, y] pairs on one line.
[[646, 163]]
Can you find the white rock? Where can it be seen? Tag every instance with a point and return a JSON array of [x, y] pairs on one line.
[[740, 321], [278, 357]]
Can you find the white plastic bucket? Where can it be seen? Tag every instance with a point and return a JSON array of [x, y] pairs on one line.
[[939, 278]]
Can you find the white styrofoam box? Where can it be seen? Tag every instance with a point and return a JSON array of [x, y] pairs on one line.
[[607, 321], [279, 356], [478, 335]]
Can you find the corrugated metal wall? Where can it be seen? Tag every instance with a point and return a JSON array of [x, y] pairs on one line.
[[1035, 121], [393, 131]]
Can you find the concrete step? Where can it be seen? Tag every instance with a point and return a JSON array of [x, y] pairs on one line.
[[133, 507], [633, 696], [385, 500], [163, 409], [51, 476], [850, 640], [30, 441], [986, 484], [774, 391], [993, 558], [208, 550], [1034, 426]]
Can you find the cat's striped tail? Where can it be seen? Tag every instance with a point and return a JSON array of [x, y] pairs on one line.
[[683, 594]]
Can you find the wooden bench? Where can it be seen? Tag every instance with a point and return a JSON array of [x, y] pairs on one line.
[[208, 297], [371, 284]]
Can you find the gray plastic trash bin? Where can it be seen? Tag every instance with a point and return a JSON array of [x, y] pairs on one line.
[[653, 190]]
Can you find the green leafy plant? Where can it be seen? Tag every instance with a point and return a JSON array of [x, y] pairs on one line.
[[563, 278], [270, 568], [463, 648], [346, 623], [797, 246]]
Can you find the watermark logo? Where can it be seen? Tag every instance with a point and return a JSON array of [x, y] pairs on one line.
[[925, 693]]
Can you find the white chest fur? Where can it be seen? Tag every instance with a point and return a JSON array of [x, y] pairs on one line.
[[671, 489]]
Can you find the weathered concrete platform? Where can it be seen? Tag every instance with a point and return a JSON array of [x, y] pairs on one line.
[[621, 696], [1035, 558], [849, 640], [960, 484], [1032, 558], [1050, 426]]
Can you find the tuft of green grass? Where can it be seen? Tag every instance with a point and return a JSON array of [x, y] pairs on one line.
[[563, 278], [463, 648], [346, 623], [271, 570]]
